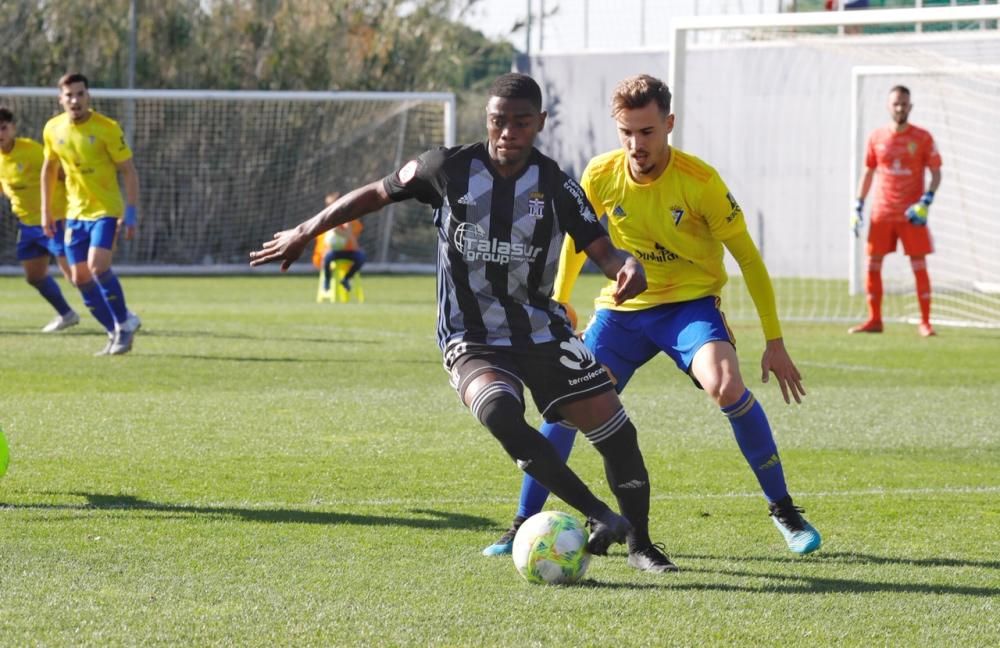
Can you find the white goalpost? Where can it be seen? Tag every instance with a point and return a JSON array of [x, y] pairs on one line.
[[221, 171], [781, 104]]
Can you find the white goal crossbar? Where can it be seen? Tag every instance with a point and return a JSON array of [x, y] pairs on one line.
[[447, 99]]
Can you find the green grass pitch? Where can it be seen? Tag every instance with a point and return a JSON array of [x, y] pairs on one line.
[[265, 470]]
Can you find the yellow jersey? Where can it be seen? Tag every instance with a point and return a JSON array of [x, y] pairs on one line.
[[21, 182], [89, 154], [675, 226]]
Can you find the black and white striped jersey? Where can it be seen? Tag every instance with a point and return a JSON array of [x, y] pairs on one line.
[[498, 242]]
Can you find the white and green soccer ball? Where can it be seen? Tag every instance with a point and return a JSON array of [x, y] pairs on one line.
[[551, 548]]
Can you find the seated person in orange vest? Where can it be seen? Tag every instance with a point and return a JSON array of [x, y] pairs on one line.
[[342, 243]]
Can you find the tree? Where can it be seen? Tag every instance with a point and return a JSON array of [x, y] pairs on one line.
[[249, 44]]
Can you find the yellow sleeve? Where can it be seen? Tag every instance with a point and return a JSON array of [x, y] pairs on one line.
[[114, 139], [47, 152], [570, 264], [720, 209], [758, 282]]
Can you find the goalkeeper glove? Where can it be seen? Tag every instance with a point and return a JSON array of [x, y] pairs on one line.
[[858, 217], [917, 212]]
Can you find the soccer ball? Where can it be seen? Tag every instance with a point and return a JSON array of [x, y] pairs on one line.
[[551, 547]]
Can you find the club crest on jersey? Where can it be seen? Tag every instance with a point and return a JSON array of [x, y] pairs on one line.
[[475, 244], [536, 204], [678, 214], [911, 147], [91, 139], [618, 212]]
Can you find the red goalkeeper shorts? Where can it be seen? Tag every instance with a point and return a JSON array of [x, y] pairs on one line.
[[883, 236]]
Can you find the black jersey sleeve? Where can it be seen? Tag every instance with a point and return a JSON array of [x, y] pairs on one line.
[[575, 213], [421, 178]]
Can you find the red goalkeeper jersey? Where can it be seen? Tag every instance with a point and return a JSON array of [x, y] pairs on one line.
[[900, 159]]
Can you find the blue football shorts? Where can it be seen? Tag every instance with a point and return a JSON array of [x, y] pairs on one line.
[[623, 341], [81, 235], [32, 242]]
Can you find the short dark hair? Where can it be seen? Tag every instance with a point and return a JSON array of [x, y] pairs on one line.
[[900, 88], [517, 86], [637, 91], [6, 115], [73, 77]]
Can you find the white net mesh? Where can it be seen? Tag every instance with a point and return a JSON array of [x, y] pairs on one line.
[[219, 175]]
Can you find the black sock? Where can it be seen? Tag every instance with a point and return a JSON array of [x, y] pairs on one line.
[[503, 415], [627, 476]]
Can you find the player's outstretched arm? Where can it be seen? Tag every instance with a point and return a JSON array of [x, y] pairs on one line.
[[777, 361], [619, 266], [287, 245]]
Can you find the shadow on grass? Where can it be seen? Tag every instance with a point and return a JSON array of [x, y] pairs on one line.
[[324, 360], [127, 503], [860, 559], [798, 583], [37, 332], [244, 336], [211, 335]]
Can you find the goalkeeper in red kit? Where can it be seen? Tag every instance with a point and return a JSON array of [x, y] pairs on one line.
[[900, 152]]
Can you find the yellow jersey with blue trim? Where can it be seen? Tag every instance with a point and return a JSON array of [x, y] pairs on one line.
[[674, 225], [21, 182], [89, 153]]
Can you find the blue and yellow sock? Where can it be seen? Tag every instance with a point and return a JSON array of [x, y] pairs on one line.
[[753, 435], [114, 295], [93, 299], [49, 289]]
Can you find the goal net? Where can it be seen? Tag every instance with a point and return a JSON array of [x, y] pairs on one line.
[[222, 171], [781, 106]]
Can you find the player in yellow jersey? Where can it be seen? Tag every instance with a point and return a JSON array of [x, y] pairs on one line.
[[675, 214], [20, 169], [91, 150]]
